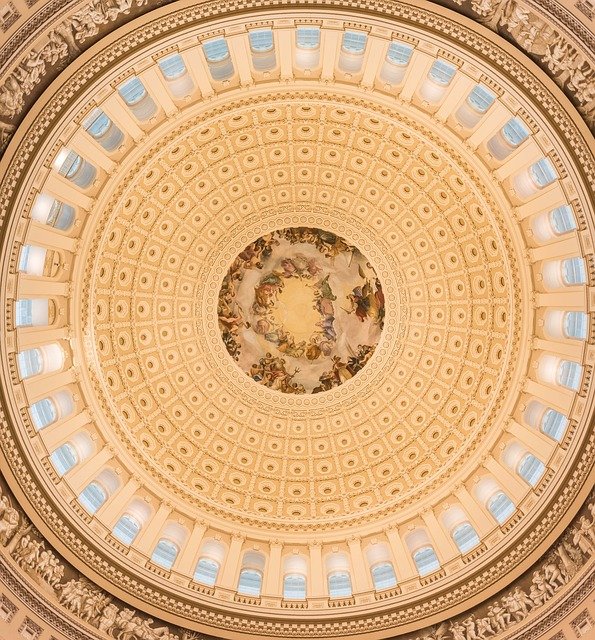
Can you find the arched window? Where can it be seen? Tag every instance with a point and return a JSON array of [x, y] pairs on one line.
[[569, 374], [465, 537], [217, 55], [562, 220], [262, 47], [542, 173], [165, 553], [339, 584], [383, 576], [480, 98], [32, 260], [442, 72], [397, 59], [32, 312], [137, 99], [294, 586], [554, 424], [250, 582], [426, 560], [99, 126], [573, 271], [176, 75], [531, 469], [501, 507], [515, 132], [126, 529], [92, 497], [55, 214], [64, 458], [308, 37], [354, 42], [206, 571], [74, 168], [43, 413], [576, 325], [30, 363]]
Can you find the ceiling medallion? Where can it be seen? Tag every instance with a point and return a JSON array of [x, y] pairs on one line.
[[301, 310]]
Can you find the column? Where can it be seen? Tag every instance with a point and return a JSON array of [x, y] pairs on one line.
[[231, 567], [186, 561], [65, 191], [517, 162], [477, 513], [445, 546], [116, 110], [86, 146], [41, 335], [533, 439], [147, 538], [273, 570], [375, 55], [316, 579], [47, 236], [457, 93], [109, 513], [404, 566], [561, 299], [198, 67], [41, 386], [514, 487], [46, 287], [84, 472], [362, 580], [544, 200], [556, 397], [152, 79], [56, 434], [284, 39], [497, 116], [330, 44], [417, 71], [242, 57]]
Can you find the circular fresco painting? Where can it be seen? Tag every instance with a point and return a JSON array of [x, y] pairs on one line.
[[301, 310]]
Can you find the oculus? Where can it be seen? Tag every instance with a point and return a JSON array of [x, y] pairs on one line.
[[301, 310]]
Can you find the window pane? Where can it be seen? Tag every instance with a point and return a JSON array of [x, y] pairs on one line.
[[261, 41], [132, 91], [501, 507], [63, 459], [531, 469], [339, 585], [481, 98], [250, 582], [554, 424], [383, 576], [165, 554], [30, 362], [426, 561], [570, 374], [442, 72], [465, 537], [172, 67], [23, 312], [514, 132], [573, 271], [354, 42], [97, 123], [576, 324], [399, 53], [206, 571], [215, 50], [542, 172], [61, 216], [562, 219], [308, 37], [92, 497], [126, 529], [71, 165], [294, 587], [43, 413]]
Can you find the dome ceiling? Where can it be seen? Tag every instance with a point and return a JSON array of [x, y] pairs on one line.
[[302, 296]]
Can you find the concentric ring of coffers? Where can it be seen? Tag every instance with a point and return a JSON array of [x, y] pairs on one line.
[[121, 511]]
